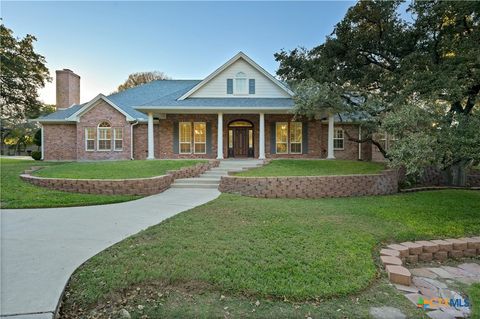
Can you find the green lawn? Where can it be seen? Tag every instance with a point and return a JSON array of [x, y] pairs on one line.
[[285, 167], [114, 169], [15, 193], [297, 257]]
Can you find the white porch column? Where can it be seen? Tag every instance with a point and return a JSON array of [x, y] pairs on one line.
[[151, 154], [261, 142], [330, 154], [220, 136]]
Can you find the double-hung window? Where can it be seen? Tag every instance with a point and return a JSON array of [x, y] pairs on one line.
[[199, 137], [185, 131], [89, 138], [282, 137], [296, 137], [118, 138], [104, 137], [338, 139]]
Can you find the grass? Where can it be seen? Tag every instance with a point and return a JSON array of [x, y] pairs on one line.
[[114, 169], [15, 193], [474, 295], [294, 256], [285, 167]]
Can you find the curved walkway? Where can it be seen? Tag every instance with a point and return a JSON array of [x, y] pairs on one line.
[[40, 248]]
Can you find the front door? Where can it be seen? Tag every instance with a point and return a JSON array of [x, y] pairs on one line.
[[240, 142]]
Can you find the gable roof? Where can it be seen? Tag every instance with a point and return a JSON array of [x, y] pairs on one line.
[[85, 107], [164, 94], [239, 55]]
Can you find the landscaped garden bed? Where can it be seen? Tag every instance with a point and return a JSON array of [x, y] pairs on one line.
[[119, 186], [312, 179], [78, 177], [248, 257], [114, 169], [16, 193], [294, 167]]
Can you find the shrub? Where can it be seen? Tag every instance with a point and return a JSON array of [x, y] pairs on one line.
[[37, 155]]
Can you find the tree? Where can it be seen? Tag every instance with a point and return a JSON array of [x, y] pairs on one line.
[[418, 79], [23, 73], [23, 134], [139, 78]]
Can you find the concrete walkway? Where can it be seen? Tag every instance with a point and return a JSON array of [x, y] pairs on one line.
[[41, 248]]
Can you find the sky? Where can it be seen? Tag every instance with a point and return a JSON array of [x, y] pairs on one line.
[[104, 42]]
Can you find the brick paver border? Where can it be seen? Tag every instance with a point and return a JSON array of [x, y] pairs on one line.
[[395, 256]]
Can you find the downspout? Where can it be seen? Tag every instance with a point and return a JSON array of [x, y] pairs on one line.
[[359, 144], [42, 142], [131, 138]]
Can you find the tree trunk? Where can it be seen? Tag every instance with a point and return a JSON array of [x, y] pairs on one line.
[[457, 174]]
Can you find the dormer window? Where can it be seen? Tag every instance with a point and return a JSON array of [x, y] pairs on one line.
[[240, 83]]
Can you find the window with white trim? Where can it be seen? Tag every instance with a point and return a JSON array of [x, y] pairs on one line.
[[185, 137], [90, 139], [240, 86], [281, 137], [338, 139], [296, 137], [104, 137], [199, 137], [118, 138]]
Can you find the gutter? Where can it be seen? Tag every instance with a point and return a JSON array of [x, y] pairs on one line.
[[131, 138]]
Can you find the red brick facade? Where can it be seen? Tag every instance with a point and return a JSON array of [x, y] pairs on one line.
[[60, 142], [312, 186], [102, 112], [67, 141]]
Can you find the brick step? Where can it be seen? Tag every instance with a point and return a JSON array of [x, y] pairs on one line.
[[214, 173], [198, 180], [189, 185], [221, 169]]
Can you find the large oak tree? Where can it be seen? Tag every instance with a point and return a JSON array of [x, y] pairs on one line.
[[23, 73], [415, 75]]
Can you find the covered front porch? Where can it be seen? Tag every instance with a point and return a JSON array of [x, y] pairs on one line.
[[245, 134]]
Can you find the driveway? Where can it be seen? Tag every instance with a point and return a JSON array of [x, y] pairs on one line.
[[41, 248]]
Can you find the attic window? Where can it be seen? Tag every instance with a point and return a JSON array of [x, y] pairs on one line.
[[241, 83]]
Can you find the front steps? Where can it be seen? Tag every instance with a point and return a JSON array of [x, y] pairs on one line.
[[211, 178]]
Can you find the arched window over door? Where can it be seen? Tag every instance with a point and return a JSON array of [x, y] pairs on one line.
[[240, 139]]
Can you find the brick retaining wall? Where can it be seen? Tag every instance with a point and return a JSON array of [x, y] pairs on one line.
[[135, 186], [312, 186]]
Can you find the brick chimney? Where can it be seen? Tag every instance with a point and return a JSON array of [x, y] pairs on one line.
[[68, 88]]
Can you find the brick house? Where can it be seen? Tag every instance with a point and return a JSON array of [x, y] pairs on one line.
[[183, 118]]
